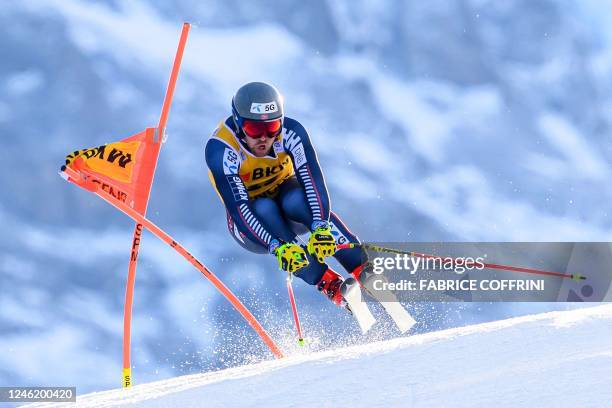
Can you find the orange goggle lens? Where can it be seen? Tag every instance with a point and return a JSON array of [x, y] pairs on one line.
[[256, 129]]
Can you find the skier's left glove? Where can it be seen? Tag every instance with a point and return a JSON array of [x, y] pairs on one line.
[[291, 257], [321, 243]]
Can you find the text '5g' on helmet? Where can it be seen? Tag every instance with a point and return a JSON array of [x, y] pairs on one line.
[[257, 101]]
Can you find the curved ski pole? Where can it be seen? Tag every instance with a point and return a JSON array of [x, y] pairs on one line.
[[574, 276], [296, 318], [75, 177]]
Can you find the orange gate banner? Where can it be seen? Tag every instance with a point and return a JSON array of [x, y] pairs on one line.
[[123, 169]]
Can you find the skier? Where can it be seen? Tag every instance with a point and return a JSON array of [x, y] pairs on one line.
[[265, 169]]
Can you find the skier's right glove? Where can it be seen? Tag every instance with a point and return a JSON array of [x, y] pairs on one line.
[[322, 242], [291, 257]]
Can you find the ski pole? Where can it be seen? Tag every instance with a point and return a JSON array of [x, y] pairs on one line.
[[296, 318], [574, 276]]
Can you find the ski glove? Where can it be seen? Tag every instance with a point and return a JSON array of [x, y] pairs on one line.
[[291, 257], [322, 243]]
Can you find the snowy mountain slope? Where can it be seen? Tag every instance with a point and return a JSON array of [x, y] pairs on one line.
[[554, 359], [489, 120]]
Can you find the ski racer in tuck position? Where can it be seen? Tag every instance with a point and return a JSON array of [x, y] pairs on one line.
[[265, 169]]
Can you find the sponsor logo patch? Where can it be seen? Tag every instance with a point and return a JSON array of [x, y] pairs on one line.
[[268, 171], [299, 156], [291, 139], [278, 148], [114, 160], [264, 108], [238, 188], [293, 143], [230, 161], [339, 236]]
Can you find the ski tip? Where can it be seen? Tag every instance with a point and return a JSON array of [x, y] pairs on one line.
[[366, 328], [301, 342], [351, 292], [406, 325]]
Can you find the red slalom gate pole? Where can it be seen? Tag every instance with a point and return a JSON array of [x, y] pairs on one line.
[[131, 278], [574, 276], [159, 233], [163, 118], [296, 318]]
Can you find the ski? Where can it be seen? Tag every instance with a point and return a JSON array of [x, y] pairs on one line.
[[351, 291], [403, 320]]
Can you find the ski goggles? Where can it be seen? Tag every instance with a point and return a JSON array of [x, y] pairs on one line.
[[255, 129]]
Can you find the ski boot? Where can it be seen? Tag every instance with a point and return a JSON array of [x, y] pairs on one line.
[[335, 287], [330, 284], [347, 294], [365, 275]]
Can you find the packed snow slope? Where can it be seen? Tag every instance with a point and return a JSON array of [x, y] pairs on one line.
[[460, 120], [556, 359]]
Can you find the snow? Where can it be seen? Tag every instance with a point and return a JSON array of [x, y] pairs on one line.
[[546, 166], [546, 360], [461, 199], [582, 160], [489, 159], [5, 112], [212, 54], [429, 111], [57, 345], [23, 82]]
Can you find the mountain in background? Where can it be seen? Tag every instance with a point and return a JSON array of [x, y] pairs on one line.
[[468, 120]]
